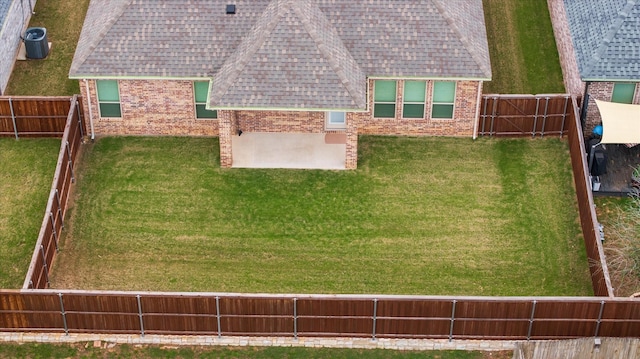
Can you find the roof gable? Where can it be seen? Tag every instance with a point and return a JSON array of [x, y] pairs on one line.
[[606, 37], [292, 57]]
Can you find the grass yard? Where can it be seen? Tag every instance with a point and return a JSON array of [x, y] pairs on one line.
[[26, 172], [49, 77], [524, 56], [87, 350], [419, 216]]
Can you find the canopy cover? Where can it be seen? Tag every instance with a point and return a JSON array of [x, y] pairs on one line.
[[620, 122]]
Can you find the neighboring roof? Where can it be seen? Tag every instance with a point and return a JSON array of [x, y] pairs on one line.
[[606, 37], [314, 49], [619, 122]]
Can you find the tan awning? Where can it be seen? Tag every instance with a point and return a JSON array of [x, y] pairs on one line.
[[620, 122]]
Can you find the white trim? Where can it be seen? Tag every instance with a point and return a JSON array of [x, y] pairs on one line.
[[89, 100], [478, 105]]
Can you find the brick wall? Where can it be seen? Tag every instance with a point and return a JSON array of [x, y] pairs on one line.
[[151, 107], [165, 107], [566, 51], [15, 23], [601, 91], [465, 115]]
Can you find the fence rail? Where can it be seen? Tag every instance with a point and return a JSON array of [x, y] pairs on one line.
[[224, 314], [523, 115], [53, 221], [29, 116], [586, 207], [453, 318]]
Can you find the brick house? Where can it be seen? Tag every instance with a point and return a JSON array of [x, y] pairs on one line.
[[601, 55], [215, 68]]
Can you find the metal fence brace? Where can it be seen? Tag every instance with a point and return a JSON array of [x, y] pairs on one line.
[[599, 318], [218, 315], [70, 162], [13, 118], [140, 314], [53, 230], [533, 313], [375, 312], [453, 319], [295, 318], [64, 315], [44, 265], [59, 214]]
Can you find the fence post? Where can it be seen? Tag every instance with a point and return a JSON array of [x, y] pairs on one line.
[[493, 114], [544, 117], [599, 318], [533, 312], [453, 318], [59, 214], [73, 179], [484, 115], [218, 315], [44, 265], [564, 114], [13, 118], [535, 118], [64, 315], [140, 315], [77, 103], [53, 229], [375, 312], [295, 318]]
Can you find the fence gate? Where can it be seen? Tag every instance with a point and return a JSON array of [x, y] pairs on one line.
[[523, 115]]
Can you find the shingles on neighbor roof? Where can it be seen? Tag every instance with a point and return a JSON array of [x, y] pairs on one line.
[[320, 50], [606, 37]]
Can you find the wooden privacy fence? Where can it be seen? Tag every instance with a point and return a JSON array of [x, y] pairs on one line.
[[29, 116], [419, 317], [586, 207], [523, 115], [53, 222]]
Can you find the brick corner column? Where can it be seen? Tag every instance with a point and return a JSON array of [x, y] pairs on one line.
[[351, 160], [227, 129]]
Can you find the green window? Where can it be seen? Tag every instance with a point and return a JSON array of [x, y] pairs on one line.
[[384, 99], [623, 92], [108, 98], [201, 93], [444, 96], [413, 99]]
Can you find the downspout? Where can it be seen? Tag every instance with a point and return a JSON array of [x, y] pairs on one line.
[[86, 83], [478, 101], [585, 105]]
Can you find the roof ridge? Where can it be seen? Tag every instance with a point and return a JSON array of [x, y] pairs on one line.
[[440, 6], [309, 15], [614, 28], [104, 27], [231, 69], [342, 65]]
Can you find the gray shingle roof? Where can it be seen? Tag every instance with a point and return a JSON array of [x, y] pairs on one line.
[[330, 44], [606, 37], [4, 10]]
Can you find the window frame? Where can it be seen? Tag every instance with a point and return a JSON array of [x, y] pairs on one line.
[[452, 103], [335, 126], [108, 102], [197, 103], [405, 102], [394, 102], [633, 93]]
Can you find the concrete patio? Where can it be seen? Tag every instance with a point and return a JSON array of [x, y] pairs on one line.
[[288, 150]]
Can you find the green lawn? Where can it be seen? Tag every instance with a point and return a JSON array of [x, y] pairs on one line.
[[419, 216], [524, 56], [26, 172], [49, 77], [80, 350]]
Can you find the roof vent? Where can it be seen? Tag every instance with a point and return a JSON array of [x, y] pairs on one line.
[[231, 9]]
